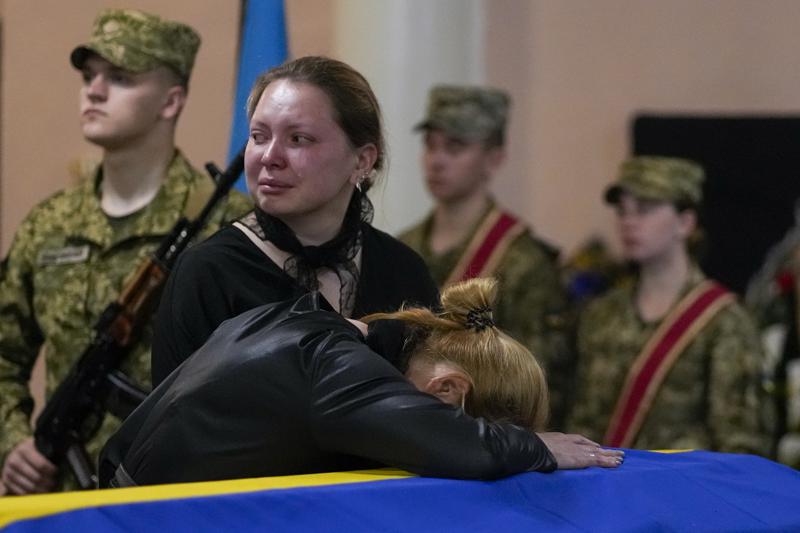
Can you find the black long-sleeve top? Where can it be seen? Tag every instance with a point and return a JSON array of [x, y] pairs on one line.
[[299, 391], [228, 275]]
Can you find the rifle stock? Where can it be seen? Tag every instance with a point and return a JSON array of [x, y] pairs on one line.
[[70, 415]]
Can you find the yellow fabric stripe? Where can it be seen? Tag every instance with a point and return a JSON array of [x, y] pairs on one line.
[[673, 451], [13, 508]]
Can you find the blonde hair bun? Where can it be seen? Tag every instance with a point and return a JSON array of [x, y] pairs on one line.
[[470, 303], [507, 382]]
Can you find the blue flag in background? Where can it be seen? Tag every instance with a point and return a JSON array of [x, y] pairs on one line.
[[262, 46]]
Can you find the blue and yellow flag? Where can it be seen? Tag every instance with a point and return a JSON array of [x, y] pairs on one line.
[[691, 491]]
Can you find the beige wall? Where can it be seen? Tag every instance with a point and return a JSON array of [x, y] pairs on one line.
[[310, 28]]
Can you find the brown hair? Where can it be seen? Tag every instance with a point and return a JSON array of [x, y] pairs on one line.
[[507, 382], [355, 106]]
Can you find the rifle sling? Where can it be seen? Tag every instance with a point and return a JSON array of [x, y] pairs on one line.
[[198, 197], [124, 395]]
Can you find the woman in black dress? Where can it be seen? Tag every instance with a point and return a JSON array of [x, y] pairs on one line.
[[316, 146]]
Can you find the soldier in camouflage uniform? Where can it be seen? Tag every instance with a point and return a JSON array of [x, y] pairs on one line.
[[73, 251], [772, 296], [708, 398], [464, 145]]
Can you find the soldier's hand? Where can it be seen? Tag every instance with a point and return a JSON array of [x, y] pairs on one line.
[[26, 471], [576, 451]]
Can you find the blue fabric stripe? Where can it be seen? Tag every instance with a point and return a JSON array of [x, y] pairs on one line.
[[263, 46]]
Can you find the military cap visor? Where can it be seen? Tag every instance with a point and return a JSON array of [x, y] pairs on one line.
[[614, 193], [82, 53], [139, 42], [667, 179], [467, 113], [465, 134], [144, 63]]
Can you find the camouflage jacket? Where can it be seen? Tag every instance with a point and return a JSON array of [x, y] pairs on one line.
[[65, 265], [709, 400], [772, 296], [531, 306], [768, 289]]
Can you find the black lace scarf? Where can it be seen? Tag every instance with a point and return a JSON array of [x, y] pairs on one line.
[[337, 254]]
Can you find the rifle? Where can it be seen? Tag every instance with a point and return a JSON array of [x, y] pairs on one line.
[[63, 426]]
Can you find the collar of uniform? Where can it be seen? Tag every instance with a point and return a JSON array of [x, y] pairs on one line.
[[693, 279], [89, 222], [158, 217], [459, 248]]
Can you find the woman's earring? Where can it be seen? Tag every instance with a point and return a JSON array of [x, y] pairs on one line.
[[361, 180]]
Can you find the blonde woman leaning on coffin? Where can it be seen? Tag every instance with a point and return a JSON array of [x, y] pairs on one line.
[[301, 390]]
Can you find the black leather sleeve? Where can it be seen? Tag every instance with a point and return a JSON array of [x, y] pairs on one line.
[[361, 405]]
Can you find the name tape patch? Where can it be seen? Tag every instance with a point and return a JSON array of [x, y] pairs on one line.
[[63, 256]]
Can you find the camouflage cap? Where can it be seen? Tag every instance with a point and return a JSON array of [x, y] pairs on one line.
[[467, 113], [139, 42], [659, 178]]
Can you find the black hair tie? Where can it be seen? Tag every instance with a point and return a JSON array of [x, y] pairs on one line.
[[480, 319]]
